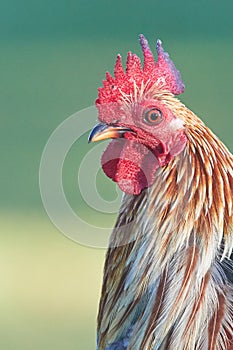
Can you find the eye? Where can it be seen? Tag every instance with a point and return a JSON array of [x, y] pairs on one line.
[[153, 116]]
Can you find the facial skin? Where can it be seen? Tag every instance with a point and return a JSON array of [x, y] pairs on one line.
[[146, 136]]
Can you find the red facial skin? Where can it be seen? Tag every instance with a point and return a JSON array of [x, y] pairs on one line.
[[132, 161]]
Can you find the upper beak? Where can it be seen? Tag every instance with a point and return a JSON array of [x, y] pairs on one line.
[[104, 131]]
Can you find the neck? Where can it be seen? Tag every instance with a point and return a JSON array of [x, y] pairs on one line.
[[164, 284]]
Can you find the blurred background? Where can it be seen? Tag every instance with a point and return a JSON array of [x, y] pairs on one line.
[[53, 57]]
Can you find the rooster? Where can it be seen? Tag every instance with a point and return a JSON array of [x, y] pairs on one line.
[[168, 271]]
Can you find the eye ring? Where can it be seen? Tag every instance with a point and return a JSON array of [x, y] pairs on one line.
[[153, 116]]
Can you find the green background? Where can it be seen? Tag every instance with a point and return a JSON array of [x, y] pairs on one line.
[[53, 57]]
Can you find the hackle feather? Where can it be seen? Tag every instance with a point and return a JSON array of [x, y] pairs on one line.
[[164, 283]]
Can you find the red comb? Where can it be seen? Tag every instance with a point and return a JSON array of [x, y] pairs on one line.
[[161, 74]]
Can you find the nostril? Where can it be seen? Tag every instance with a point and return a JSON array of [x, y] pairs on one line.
[[114, 122]]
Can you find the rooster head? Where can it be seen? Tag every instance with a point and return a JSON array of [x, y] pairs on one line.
[[146, 132]]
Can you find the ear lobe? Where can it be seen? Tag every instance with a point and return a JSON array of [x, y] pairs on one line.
[[168, 77]]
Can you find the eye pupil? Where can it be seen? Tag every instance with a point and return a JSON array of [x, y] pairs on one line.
[[153, 116]]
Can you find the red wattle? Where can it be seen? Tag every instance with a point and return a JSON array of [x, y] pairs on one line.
[[111, 157], [130, 164]]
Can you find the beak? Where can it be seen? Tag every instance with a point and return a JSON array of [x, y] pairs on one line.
[[104, 131]]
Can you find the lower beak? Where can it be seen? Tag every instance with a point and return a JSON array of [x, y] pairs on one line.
[[104, 131]]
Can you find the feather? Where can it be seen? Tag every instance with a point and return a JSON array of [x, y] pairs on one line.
[[167, 282]]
